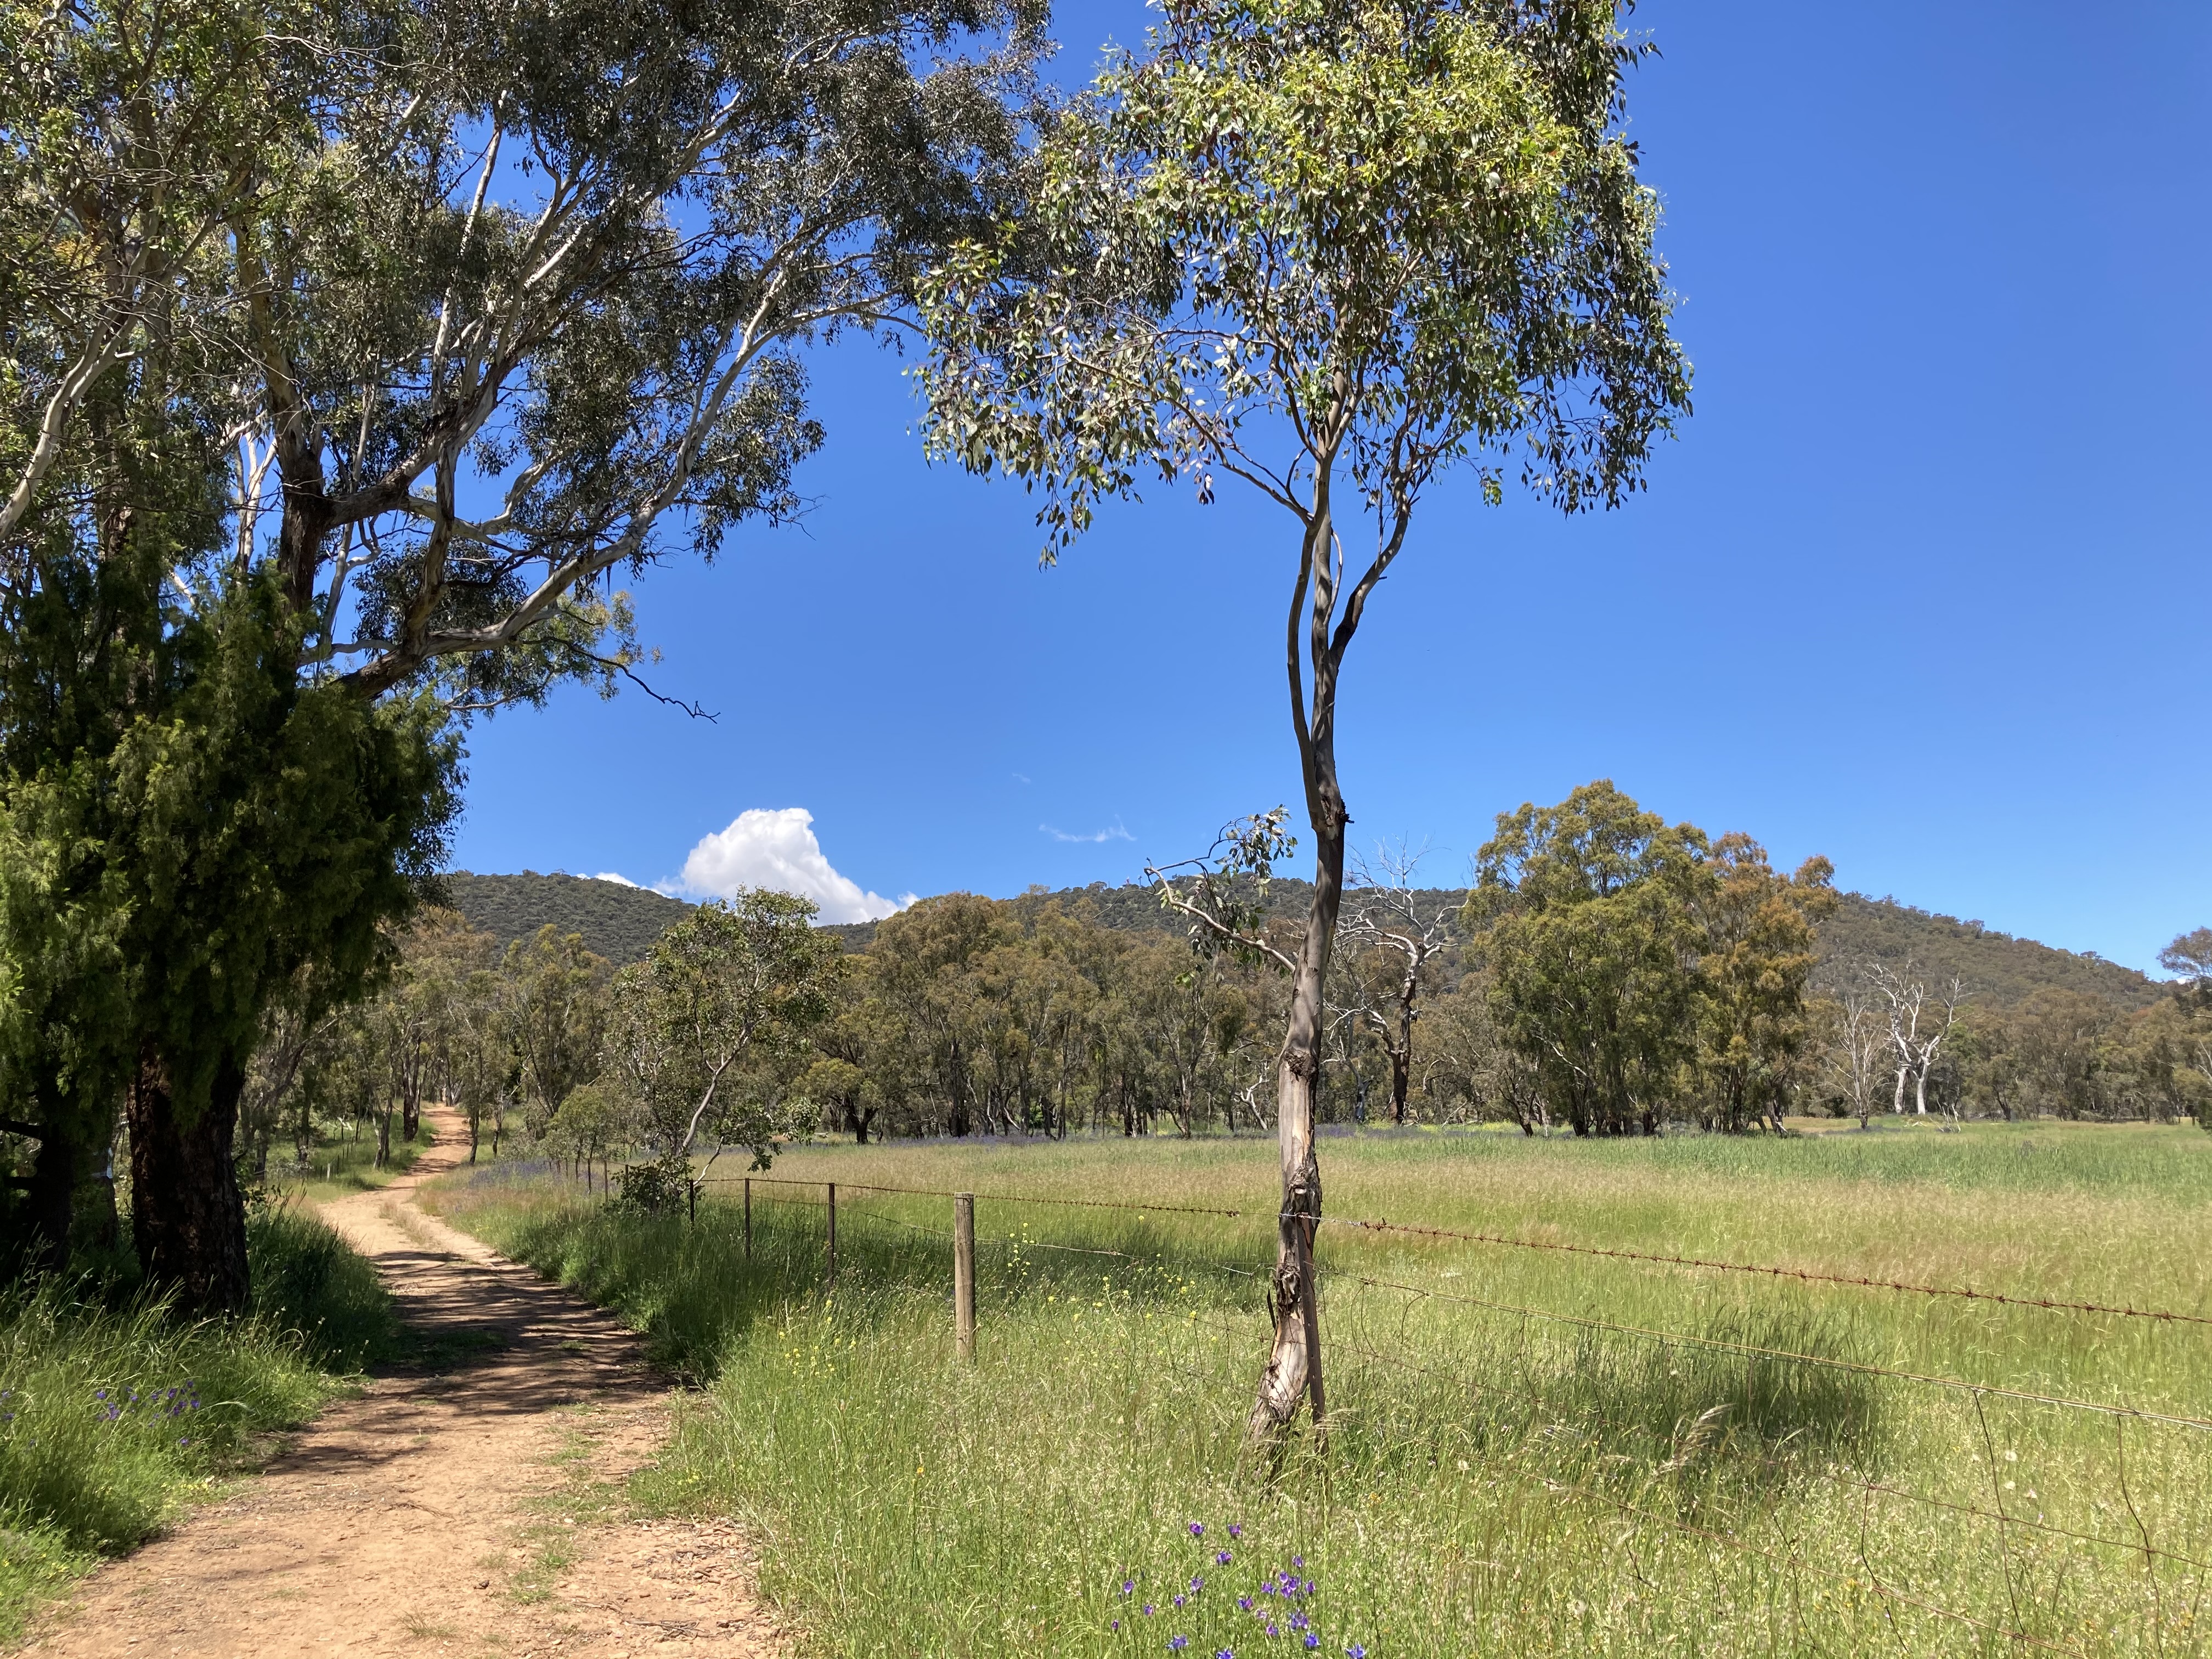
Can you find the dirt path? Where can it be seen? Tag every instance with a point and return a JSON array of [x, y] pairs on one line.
[[466, 1513]]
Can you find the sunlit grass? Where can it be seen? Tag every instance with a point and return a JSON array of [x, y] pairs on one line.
[[343, 1163], [1494, 1482]]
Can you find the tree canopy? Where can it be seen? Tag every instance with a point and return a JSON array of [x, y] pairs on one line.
[[356, 354]]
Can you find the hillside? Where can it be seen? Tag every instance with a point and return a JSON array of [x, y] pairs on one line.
[[1995, 966], [619, 922]]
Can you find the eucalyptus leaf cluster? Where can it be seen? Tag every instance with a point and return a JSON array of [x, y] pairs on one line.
[[1291, 233]]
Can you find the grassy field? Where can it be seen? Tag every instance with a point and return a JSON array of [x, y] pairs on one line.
[[1499, 1479], [113, 1413]]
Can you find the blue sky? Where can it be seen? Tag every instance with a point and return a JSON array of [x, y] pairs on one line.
[[1923, 585]]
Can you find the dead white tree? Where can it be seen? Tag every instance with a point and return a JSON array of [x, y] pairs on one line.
[[1861, 1048], [1920, 1022], [1386, 917]]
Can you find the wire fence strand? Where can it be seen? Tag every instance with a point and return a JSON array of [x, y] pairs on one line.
[[1808, 1275], [1590, 1322], [1713, 1264]]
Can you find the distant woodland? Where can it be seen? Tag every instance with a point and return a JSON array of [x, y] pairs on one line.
[[1604, 974]]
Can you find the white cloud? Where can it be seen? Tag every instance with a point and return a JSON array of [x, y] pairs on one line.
[[619, 880], [1113, 832], [776, 848]]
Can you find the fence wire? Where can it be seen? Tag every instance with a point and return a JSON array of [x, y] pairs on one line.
[[1806, 1275], [1590, 1322]]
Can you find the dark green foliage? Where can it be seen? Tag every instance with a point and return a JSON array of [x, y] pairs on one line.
[[268, 327], [618, 923]]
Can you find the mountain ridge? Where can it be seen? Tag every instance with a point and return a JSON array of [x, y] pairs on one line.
[[621, 922]]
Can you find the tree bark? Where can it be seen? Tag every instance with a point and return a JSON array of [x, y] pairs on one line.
[[188, 1215], [1293, 1367], [48, 1199]]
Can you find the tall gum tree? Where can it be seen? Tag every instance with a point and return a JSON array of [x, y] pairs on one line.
[[1335, 250], [484, 309]]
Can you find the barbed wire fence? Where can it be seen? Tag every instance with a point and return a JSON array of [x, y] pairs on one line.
[[1791, 1556]]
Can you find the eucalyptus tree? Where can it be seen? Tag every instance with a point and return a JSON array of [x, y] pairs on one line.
[[1334, 250], [1583, 915], [556, 1011], [735, 984], [2189, 958], [1757, 948], [471, 312]]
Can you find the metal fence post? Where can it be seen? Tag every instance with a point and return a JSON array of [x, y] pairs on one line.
[[833, 1231], [749, 1219], [963, 1273]]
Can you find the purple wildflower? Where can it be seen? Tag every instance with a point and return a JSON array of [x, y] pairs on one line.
[[1148, 1609], [1236, 1530], [1312, 1640], [1222, 1558], [1271, 1631], [1357, 1651], [1299, 1561], [1180, 1600], [1245, 1602], [1197, 1530], [1129, 1587], [1196, 1584], [1178, 1643]]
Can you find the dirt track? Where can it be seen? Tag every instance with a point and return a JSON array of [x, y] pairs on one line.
[[464, 1513]]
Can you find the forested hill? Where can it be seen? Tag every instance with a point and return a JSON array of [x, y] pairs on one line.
[[1994, 965], [619, 922]]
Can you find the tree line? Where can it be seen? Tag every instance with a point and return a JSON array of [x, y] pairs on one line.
[[1606, 973]]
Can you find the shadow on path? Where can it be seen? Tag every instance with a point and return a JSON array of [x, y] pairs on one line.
[[462, 1509]]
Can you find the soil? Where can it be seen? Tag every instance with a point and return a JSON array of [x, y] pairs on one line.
[[473, 1511]]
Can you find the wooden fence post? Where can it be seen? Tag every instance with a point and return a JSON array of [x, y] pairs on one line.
[[963, 1273], [833, 1232], [749, 1219]]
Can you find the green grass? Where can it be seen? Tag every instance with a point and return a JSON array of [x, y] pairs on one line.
[[116, 1414], [1495, 1483], [341, 1165]]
